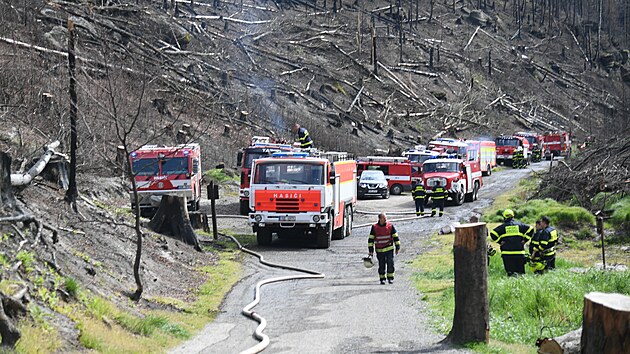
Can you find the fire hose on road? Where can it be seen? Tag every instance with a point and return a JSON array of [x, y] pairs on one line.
[[247, 310]]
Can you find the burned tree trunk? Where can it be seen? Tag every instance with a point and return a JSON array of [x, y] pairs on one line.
[[8, 331], [471, 322], [172, 218], [605, 324], [6, 190]]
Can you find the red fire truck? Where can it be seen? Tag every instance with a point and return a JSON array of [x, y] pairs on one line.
[[461, 179], [506, 145], [417, 157], [557, 144], [484, 152], [293, 194], [448, 146], [166, 170], [259, 147], [397, 171], [535, 141]]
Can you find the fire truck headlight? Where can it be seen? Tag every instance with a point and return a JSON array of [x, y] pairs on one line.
[[315, 218], [246, 193], [258, 218]]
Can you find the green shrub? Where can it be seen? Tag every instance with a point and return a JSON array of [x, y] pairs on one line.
[[219, 175], [528, 212], [606, 200], [27, 259], [584, 234], [621, 215], [71, 285]]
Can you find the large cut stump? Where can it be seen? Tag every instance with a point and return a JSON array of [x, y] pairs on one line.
[[606, 324], [172, 218], [471, 322], [8, 331]]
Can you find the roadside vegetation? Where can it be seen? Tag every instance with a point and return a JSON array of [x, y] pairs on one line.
[[105, 326], [533, 306]]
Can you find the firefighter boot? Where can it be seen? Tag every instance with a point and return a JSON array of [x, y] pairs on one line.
[[433, 212]]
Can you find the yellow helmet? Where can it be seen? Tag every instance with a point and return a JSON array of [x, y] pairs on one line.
[[508, 213]]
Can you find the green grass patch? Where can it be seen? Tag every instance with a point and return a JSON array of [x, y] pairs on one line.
[[71, 286], [27, 259], [218, 175], [560, 215]]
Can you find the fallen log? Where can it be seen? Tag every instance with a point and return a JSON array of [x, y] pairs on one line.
[[26, 178]]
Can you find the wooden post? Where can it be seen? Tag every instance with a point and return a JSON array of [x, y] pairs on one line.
[[600, 230], [605, 324], [72, 192], [213, 193], [471, 322]]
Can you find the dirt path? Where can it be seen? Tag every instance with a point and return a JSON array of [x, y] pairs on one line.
[[348, 311]]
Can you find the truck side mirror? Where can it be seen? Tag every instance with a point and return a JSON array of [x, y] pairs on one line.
[[239, 159], [332, 177]]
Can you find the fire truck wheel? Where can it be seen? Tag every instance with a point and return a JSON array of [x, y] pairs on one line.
[[324, 235], [459, 197], [243, 207], [264, 237], [349, 221], [396, 189]]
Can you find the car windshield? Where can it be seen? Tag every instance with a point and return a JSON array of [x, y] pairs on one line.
[[289, 173], [441, 167], [372, 177], [145, 167], [507, 142], [418, 158], [175, 166]]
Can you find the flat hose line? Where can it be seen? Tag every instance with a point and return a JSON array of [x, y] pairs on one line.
[[247, 310]]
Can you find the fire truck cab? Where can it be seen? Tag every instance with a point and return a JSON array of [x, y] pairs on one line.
[[417, 157], [535, 141], [260, 147], [397, 171], [461, 178], [557, 144], [506, 145], [294, 194], [163, 170]]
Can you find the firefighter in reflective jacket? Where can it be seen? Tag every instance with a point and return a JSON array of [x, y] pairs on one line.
[[518, 158], [542, 246], [512, 236], [438, 196], [303, 137], [384, 239], [419, 197]]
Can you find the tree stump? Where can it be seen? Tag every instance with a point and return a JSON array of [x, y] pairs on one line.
[[172, 218], [605, 324], [8, 331], [471, 322]]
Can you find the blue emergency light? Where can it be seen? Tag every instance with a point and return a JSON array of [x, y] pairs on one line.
[[186, 152], [134, 154], [289, 154]]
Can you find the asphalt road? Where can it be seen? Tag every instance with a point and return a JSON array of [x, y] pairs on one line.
[[347, 311]]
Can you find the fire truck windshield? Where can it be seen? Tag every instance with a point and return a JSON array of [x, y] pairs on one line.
[[289, 173], [145, 167], [441, 167], [253, 155], [418, 158], [175, 166], [507, 142]]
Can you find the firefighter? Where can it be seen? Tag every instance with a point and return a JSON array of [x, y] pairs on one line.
[[384, 239], [518, 158], [419, 197], [303, 137], [438, 196], [536, 153], [512, 236], [542, 245]]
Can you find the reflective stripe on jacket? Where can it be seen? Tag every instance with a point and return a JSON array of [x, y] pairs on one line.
[[544, 242], [512, 235], [438, 193], [383, 237], [304, 138], [418, 191]]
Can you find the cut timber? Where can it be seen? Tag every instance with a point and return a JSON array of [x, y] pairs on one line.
[[172, 218], [606, 324], [8, 331], [471, 322]]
